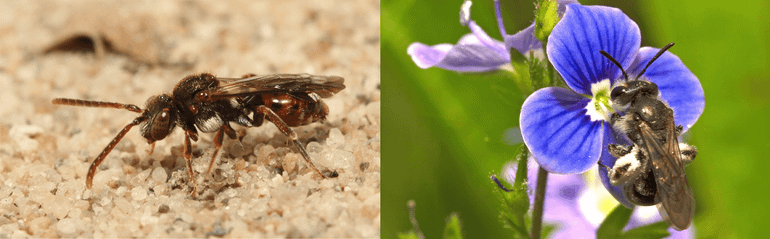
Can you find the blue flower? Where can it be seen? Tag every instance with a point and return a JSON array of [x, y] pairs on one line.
[[567, 130], [577, 204], [476, 51]]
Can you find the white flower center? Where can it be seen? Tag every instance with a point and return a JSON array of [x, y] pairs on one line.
[[600, 106]]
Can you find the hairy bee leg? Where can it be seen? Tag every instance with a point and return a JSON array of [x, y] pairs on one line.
[[618, 150], [687, 153], [108, 149], [286, 130], [218, 139], [188, 158], [630, 163], [614, 118]]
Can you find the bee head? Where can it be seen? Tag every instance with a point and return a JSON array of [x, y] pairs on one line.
[[626, 92], [161, 118]]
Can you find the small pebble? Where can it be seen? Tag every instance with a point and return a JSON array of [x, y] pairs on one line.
[[138, 193], [159, 175], [336, 139], [69, 227], [163, 208], [39, 224]]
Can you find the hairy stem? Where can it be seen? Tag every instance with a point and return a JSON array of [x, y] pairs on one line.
[[537, 214]]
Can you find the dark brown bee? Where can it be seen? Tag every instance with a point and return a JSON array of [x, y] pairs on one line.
[[210, 103], [651, 170]]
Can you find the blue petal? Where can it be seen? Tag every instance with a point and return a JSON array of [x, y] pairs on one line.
[[558, 132], [678, 86], [612, 137], [525, 40], [469, 55], [574, 45], [487, 41], [563, 6]]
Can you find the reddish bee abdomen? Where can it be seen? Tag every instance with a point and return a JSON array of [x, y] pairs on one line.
[[296, 111]]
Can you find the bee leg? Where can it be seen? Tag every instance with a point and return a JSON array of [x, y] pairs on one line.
[[218, 143], [603, 166], [687, 153], [629, 165], [618, 150], [189, 134], [679, 129], [286, 130], [108, 149], [152, 148], [614, 118]]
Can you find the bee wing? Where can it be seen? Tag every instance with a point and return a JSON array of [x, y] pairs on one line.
[[677, 203], [324, 86]]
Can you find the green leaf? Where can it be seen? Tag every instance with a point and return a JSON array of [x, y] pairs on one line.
[[548, 228], [613, 224], [515, 204], [655, 230], [546, 19], [521, 170], [453, 228]]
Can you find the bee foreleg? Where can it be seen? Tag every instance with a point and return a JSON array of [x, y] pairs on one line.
[[189, 134], [218, 139], [98, 160]]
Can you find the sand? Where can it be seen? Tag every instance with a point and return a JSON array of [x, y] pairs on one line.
[[127, 52]]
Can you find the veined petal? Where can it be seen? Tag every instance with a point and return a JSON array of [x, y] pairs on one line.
[[525, 40], [574, 45], [469, 55], [678, 86], [611, 137], [428, 56], [558, 132], [482, 37]]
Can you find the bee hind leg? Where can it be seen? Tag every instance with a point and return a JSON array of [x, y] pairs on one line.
[[286, 130], [687, 153]]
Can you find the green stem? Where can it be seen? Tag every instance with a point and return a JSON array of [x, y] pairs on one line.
[[537, 214]]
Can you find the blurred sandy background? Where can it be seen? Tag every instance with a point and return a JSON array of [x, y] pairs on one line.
[[126, 52]]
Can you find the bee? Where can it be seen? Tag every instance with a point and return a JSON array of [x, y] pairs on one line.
[[209, 104], [651, 169]]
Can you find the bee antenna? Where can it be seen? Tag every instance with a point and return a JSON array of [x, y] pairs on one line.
[[607, 55], [662, 50], [96, 104]]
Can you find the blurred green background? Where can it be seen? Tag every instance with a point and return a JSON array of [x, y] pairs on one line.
[[442, 130]]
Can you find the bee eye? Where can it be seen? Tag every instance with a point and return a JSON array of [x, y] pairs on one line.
[[617, 91], [161, 125]]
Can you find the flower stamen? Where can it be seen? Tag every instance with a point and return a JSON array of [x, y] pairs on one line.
[[600, 107]]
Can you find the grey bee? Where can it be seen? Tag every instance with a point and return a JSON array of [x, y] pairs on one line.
[[651, 170]]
